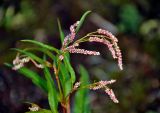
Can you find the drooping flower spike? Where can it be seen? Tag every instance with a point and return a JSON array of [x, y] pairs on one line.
[[103, 84], [114, 42], [101, 36]]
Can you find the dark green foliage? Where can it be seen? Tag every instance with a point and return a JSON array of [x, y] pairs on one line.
[[130, 19], [65, 79], [42, 45], [70, 69], [64, 74], [81, 104], [52, 93]]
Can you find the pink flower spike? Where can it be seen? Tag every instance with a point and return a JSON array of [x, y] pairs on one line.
[[106, 42], [66, 40], [119, 55], [102, 84], [111, 95], [106, 82], [83, 51], [70, 37], [115, 49], [96, 87], [72, 30], [108, 34]]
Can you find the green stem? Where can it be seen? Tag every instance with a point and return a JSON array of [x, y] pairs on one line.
[[81, 39], [65, 103], [57, 79]]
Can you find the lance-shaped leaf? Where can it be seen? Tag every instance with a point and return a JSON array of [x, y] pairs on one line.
[[65, 80], [36, 79], [82, 98], [82, 20], [43, 50], [70, 69], [61, 33], [52, 93], [42, 45]]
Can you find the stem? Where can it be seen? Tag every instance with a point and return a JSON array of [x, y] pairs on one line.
[[57, 79], [64, 110], [78, 41], [59, 86], [68, 105], [65, 103]]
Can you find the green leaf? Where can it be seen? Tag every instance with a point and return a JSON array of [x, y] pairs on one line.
[[82, 20], [36, 79], [61, 33], [43, 50], [70, 69], [42, 45], [81, 104], [65, 80], [52, 93], [40, 111]]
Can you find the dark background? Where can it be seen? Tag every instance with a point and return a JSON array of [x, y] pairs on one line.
[[134, 22]]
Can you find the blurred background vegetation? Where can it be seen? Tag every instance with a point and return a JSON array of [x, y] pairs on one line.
[[135, 23]]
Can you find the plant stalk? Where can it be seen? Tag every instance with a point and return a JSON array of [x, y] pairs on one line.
[[68, 105]]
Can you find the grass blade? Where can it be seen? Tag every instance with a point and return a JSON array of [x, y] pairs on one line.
[[45, 51], [61, 33], [65, 80], [52, 93], [82, 20], [42, 45], [70, 69]]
